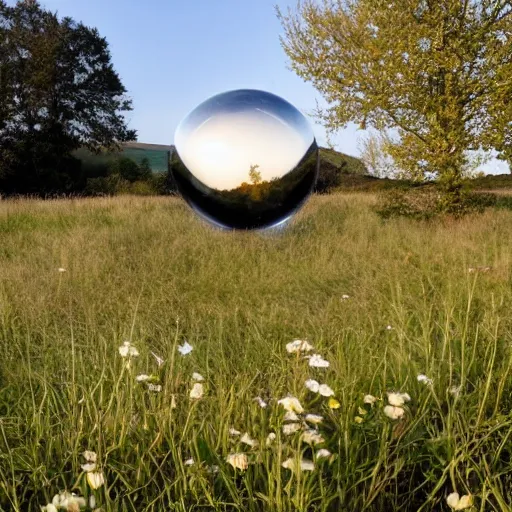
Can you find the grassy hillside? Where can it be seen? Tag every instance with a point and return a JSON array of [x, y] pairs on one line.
[[354, 175], [349, 164], [381, 302]]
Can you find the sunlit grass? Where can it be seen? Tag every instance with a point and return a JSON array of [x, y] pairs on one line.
[[131, 329]]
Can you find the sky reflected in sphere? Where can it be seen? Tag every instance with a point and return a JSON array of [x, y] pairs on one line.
[[250, 159]]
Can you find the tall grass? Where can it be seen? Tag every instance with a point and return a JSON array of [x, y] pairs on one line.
[[149, 271]]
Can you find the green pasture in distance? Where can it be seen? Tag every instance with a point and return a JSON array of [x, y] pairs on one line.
[[157, 155]]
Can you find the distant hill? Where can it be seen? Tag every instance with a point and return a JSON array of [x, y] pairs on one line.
[[340, 171], [353, 175], [346, 163], [157, 155]]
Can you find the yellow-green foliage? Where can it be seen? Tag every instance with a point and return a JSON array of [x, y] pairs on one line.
[[438, 72], [382, 302]]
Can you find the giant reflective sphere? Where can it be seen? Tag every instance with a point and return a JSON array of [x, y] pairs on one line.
[[250, 159]]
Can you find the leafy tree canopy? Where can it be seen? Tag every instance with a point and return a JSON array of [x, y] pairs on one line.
[[59, 91], [437, 71]]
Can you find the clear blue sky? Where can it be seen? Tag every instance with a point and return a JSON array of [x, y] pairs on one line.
[[173, 54]]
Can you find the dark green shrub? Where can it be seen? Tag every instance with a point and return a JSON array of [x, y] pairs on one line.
[[414, 203], [163, 183], [479, 201], [105, 186], [429, 201], [504, 202], [129, 170]]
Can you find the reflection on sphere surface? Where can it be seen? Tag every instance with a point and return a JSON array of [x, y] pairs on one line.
[[250, 159]]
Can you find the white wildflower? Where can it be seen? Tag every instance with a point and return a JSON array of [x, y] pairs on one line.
[[189, 462], [291, 428], [291, 416], [398, 399], [90, 456], [307, 465], [323, 453], [197, 391], [238, 460], [456, 503], [313, 385], [369, 399], [325, 390], [142, 378], [270, 438], [185, 349], [197, 377], [304, 465], [95, 479], [317, 361], [425, 379], [155, 387], [393, 412], [296, 346], [246, 439], [290, 403], [127, 349], [90, 466], [312, 437], [313, 418], [67, 500]]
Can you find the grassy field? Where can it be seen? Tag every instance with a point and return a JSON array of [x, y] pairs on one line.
[[382, 302]]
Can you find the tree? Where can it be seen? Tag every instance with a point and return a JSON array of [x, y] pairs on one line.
[[437, 71], [254, 174], [378, 161], [125, 168], [59, 92]]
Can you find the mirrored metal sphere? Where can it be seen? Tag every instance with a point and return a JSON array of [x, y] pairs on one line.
[[250, 159]]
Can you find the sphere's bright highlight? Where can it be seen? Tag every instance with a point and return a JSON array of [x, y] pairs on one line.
[[250, 159]]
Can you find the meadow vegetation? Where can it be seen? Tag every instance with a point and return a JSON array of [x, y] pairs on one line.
[[147, 360]]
